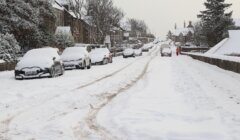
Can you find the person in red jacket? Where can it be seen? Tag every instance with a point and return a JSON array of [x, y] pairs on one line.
[[177, 51]]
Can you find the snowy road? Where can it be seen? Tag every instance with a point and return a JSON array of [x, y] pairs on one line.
[[148, 97]]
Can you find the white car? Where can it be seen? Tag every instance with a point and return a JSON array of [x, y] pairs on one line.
[[37, 63], [76, 57], [147, 47], [129, 52], [101, 56], [138, 52], [166, 50]]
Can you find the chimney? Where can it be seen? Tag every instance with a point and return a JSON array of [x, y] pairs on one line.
[[175, 27], [184, 24], [190, 24]]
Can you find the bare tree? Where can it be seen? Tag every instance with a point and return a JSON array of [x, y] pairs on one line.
[[77, 6], [138, 26], [104, 16]]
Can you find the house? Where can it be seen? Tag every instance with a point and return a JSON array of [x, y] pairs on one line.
[[182, 35], [80, 29]]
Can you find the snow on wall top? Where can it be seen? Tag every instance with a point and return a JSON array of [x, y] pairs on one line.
[[57, 6], [2, 61], [228, 46]]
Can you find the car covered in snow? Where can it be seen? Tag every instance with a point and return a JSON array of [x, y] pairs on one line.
[[37, 63], [101, 56], [138, 52], [166, 50], [128, 52], [76, 58], [147, 47]]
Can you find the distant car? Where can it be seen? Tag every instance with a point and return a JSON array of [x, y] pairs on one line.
[[37, 63], [147, 47], [101, 56], [76, 57], [138, 52], [166, 50], [129, 52]]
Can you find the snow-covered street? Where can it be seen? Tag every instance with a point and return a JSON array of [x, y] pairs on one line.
[[143, 98]]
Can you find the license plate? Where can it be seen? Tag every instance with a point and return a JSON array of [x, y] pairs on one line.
[[30, 72]]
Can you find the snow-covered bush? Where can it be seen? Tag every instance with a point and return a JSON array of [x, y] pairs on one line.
[[8, 47], [64, 40]]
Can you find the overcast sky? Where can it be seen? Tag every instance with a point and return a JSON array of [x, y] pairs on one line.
[[161, 15]]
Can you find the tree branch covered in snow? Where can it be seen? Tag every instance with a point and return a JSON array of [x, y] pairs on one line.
[[8, 47], [30, 21]]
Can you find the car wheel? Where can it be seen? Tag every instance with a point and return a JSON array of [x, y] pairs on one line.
[[89, 66], [83, 65], [105, 61], [111, 60], [62, 71], [52, 73]]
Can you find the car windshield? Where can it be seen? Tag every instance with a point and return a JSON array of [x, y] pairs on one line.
[[100, 51], [43, 53], [73, 50]]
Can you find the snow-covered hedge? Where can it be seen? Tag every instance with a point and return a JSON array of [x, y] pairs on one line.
[[64, 40], [8, 47]]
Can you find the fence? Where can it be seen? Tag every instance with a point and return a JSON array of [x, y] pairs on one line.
[[7, 66], [224, 64]]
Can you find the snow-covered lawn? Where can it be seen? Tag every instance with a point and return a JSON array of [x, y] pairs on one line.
[[146, 98]]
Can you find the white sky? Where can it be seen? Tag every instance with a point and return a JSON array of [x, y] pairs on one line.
[[161, 15]]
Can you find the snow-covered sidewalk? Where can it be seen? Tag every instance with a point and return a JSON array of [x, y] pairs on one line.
[[178, 99]]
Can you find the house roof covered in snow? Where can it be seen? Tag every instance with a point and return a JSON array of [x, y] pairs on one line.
[[184, 31], [229, 46]]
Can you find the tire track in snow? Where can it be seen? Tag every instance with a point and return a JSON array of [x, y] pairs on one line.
[[114, 73], [4, 124], [91, 120]]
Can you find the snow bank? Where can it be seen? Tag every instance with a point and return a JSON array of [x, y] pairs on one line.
[[228, 46], [2, 61]]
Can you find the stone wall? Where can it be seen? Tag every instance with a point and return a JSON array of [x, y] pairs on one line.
[[224, 64]]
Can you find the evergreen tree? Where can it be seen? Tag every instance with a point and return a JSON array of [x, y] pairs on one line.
[[215, 21]]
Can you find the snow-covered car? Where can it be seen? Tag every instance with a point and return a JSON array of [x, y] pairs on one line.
[[166, 51], [138, 52], [37, 63], [101, 56], [129, 52], [147, 47], [76, 57]]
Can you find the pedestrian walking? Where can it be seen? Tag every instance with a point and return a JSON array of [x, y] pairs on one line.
[[177, 51]]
